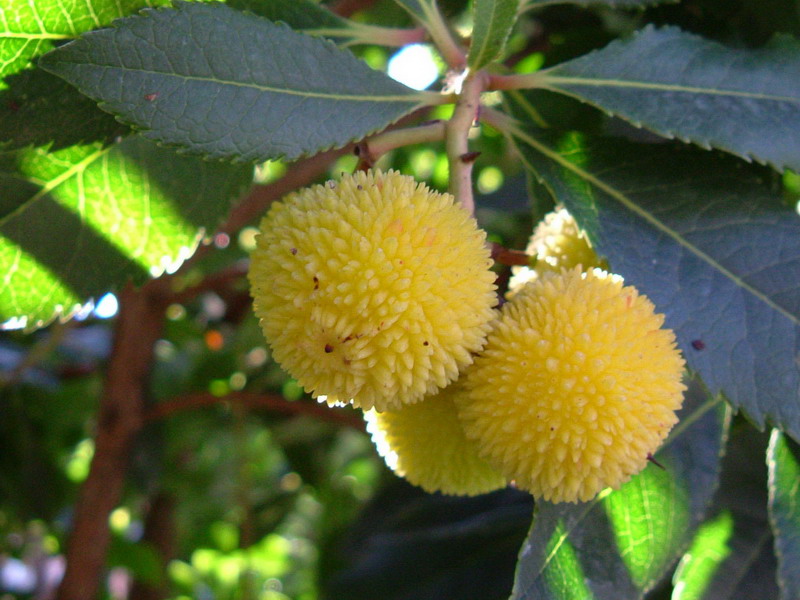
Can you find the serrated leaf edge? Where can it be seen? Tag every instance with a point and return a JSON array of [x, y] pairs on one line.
[[706, 143], [420, 98], [658, 225]]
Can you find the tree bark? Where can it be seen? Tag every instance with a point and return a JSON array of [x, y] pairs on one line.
[[120, 417]]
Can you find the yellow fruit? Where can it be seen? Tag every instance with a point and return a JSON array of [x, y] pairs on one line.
[[424, 443], [578, 383], [557, 243], [374, 290]]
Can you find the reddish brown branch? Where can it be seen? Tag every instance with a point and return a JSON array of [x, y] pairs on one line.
[[252, 400], [345, 8], [138, 327], [215, 282], [508, 257]]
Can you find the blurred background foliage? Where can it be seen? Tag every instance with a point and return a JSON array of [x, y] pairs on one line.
[[240, 489]]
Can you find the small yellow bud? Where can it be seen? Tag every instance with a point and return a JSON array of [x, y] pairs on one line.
[[557, 243]]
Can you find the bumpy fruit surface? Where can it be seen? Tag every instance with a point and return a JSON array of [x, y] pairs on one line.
[[557, 243], [373, 290], [425, 443], [576, 386]]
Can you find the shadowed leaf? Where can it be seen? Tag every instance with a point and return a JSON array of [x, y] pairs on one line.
[[676, 84], [709, 240]]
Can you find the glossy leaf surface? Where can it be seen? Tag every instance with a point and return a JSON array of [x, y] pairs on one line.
[[677, 84], [710, 241], [261, 92]]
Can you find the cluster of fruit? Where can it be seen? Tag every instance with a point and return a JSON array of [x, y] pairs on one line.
[[378, 292]]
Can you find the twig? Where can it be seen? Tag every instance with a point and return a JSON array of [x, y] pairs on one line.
[[516, 82], [269, 402], [345, 8], [508, 257], [451, 51], [371, 149], [459, 158], [213, 282]]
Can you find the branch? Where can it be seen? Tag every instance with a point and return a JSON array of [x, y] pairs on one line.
[[516, 82], [451, 51], [371, 149], [508, 257], [459, 158], [138, 327], [253, 400]]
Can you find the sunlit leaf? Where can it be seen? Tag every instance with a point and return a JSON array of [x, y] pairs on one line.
[[677, 84], [80, 221], [784, 507], [30, 28], [710, 242], [621, 544], [732, 556], [704, 557], [493, 20], [260, 91]]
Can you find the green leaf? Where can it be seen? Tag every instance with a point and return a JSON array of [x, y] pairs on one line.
[[784, 508], [41, 109], [297, 14], [306, 16], [493, 20], [259, 91], [731, 557], [614, 3], [621, 544], [709, 240], [676, 84], [81, 221], [29, 28]]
